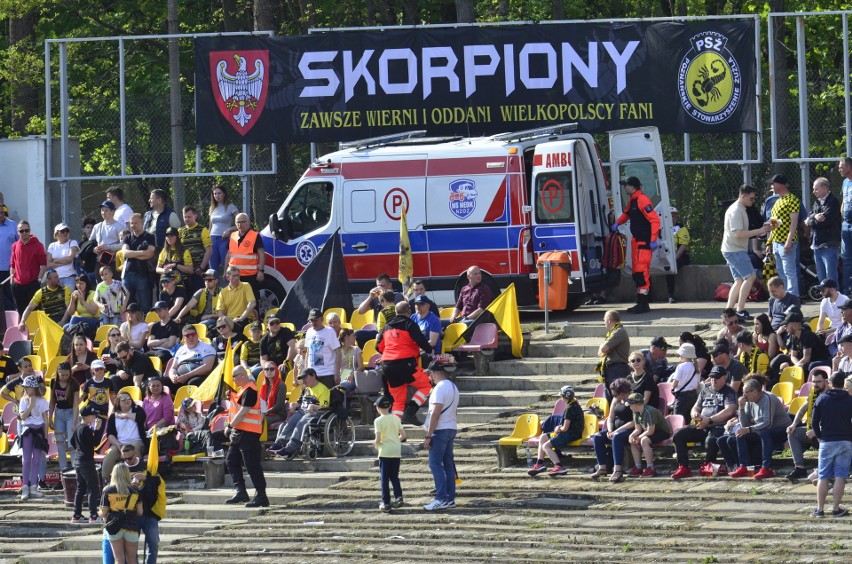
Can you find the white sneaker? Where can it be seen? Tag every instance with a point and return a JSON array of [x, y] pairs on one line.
[[434, 505], [449, 505], [34, 493], [25, 492]]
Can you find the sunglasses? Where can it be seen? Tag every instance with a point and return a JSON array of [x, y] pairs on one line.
[[115, 334], [221, 326], [271, 322], [23, 230], [209, 279], [635, 360], [190, 334], [270, 369]]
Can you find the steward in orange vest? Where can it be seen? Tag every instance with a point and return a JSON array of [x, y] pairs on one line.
[[245, 424], [246, 253]]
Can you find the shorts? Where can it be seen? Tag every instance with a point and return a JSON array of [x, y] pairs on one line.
[[562, 440], [835, 458], [123, 534], [740, 265]]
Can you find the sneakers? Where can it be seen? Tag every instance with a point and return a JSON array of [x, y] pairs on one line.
[[42, 485], [536, 469], [397, 503], [25, 493], [558, 470], [95, 520], [78, 520], [449, 505], [744, 315], [764, 473], [436, 505], [740, 472], [634, 472], [386, 507], [723, 470], [649, 472], [35, 494], [818, 513], [682, 472], [842, 512], [797, 474]]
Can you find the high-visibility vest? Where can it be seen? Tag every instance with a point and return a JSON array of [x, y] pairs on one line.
[[242, 254], [253, 421]]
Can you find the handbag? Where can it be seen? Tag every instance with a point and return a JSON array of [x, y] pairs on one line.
[[113, 524]]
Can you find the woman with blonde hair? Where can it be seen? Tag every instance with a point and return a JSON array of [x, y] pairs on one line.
[[121, 508]]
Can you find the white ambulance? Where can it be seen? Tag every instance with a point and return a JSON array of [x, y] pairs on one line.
[[495, 202]]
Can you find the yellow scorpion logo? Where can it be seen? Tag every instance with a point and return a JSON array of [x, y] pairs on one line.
[[705, 88]]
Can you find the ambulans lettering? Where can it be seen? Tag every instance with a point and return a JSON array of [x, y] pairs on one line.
[[557, 160], [462, 197]]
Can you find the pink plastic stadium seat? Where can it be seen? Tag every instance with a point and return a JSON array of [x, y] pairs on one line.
[[484, 337]]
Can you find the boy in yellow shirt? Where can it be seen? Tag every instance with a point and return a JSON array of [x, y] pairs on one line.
[[389, 436]]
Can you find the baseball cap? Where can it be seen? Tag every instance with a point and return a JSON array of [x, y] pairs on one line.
[[847, 305], [778, 179], [794, 317], [210, 273], [635, 398], [161, 305], [172, 231], [384, 402], [847, 338], [721, 348], [187, 402], [256, 325], [87, 410], [97, 364], [435, 366], [167, 277], [718, 372], [673, 209], [630, 181], [314, 314], [133, 306], [827, 283], [61, 227], [307, 372], [108, 204], [659, 342], [421, 299]]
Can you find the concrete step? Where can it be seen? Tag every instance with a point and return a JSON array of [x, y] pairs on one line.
[[496, 398], [542, 383], [277, 496], [544, 367], [349, 464], [477, 415], [573, 348], [639, 330]]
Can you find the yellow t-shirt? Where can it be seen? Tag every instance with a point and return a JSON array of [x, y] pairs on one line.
[[389, 426], [321, 392], [784, 207], [234, 302]]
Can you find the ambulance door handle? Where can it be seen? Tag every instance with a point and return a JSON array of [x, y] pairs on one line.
[[542, 245], [360, 246]]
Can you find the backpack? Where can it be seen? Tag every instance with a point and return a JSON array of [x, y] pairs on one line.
[[615, 251]]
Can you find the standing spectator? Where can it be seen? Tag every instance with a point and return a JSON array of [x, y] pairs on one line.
[[64, 409], [800, 433], [122, 211], [85, 440], [53, 299], [716, 403], [833, 427], [763, 421], [174, 259], [107, 233], [324, 354], [824, 221], [195, 239], [121, 506], [111, 297], [8, 236], [246, 253], [61, 255], [278, 343], [568, 431], [245, 424], [681, 243], [389, 434], [783, 241], [222, 215], [441, 427], [685, 381], [201, 307], [159, 218], [644, 227], [845, 168], [829, 308], [236, 300], [27, 265], [735, 248], [473, 298], [192, 363], [138, 249], [33, 414]]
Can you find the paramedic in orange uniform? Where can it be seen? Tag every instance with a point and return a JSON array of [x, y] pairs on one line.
[[645, 227]]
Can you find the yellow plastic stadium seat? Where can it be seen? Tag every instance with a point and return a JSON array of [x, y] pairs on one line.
[[99, 350], [183, 392], [358, 320], [784, 390], [797, 404], [341, 313], [590, 427], [446, 312], [102, 332], [134, 392], [288, 325], [795, 375], [294, 394], [527, 426], [451, 337], [813, 323], [601, 403], [151, 317], [187, 458], [369, 351], [4, 443], [157, 363], [201, 329], [50, 372], [35, 359]]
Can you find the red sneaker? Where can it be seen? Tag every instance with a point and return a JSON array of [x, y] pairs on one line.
[[706, 469], [682, 472], [634, 472], [723, 470], [764, 473], [649, 472], [740, 472]]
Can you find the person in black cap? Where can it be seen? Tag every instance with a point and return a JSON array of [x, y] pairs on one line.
[[172, 293], [655, 359], [644, 227], [783, 240], [845, 328], [824, 221], [85, 439], [829, 307], [389, 435], [721, 356], [804, 348], [753, 358], [108, 232], [174, 259]]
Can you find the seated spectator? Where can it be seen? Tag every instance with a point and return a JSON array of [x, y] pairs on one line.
[[278, 344], [804, 347], [109, 354], [111, 297], [730, 328], [388, 310], [192, 363], [236, 300], [201, 307], [7, 365], [315, 399], [159, 407], [52, 298], [189, 420], [649, 428], [610, 443], [685, 381], [300, 361], [82, 308], [702, 355], [829, 308], [762, 420], [250, 351], [80, 358], [843, 360], [734, 369], [613, 352], [763, 336], [800, 433], [135, 330], [333, 320], [383, 283], [351, 358], [845, 328], [641, 381], [225, 326], [97, 391], [716, 403], [13, 390], [163, 334], [172, 294], [754, 359], [134, 368], [656, 362], [273, 394], [126, 425], [567, 431], [427, 320], [473, 298], [419, 289], [780, 302]]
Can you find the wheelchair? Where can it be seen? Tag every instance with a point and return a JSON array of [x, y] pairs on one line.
[[332, 433]]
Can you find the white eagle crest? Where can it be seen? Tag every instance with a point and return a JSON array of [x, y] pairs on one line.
[[241, 89]]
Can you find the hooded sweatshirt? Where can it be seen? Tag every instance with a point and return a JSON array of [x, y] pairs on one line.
[[833, 416]]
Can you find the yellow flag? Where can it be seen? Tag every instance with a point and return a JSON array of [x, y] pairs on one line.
[[51, 335], [207, 390], [154, 454], [228, 367], [505, 312], [406, 261]]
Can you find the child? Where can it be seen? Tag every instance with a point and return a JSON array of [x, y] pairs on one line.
[[650, 428], [250, 350], [85, 440], [121, 508], [300, 361], [98, 391], [389, 435], [188, 419], [33, 417], [567, 432], [111, 298]]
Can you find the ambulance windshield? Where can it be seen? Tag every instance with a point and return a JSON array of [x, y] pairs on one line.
[[309, 209], [553, 200]]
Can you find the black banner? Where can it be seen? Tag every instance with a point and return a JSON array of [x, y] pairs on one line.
[[338, 86]]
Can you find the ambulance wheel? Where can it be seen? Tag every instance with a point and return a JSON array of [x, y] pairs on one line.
[[487, 279], [271, 294]]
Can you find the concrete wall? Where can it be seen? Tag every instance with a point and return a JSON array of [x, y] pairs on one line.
[[695, 282]]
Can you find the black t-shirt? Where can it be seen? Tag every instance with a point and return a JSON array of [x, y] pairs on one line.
[[249, 398], [160, 331], [85, 440], [139, 363], [219, 344], [809, 340], [140, 243], [645, 384], [275, 346], [172, 298], [63, 396]]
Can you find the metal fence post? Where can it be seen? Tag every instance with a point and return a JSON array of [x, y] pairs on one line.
[[548, 277]]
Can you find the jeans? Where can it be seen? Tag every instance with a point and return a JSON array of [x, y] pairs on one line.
[[799, 443], [24, 294], [826, 262], [389, 474], [610, 451], [110, 320], [150, 526], [247, 452], [63, 428], [217, 257], [690, 434], [767, 438], [845, 253], [442, 464], [835, 457], [788, 266], [87, 483], [139, 288], [92, 322]]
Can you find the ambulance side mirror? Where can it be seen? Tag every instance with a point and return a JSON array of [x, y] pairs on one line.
[[280, 227]]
